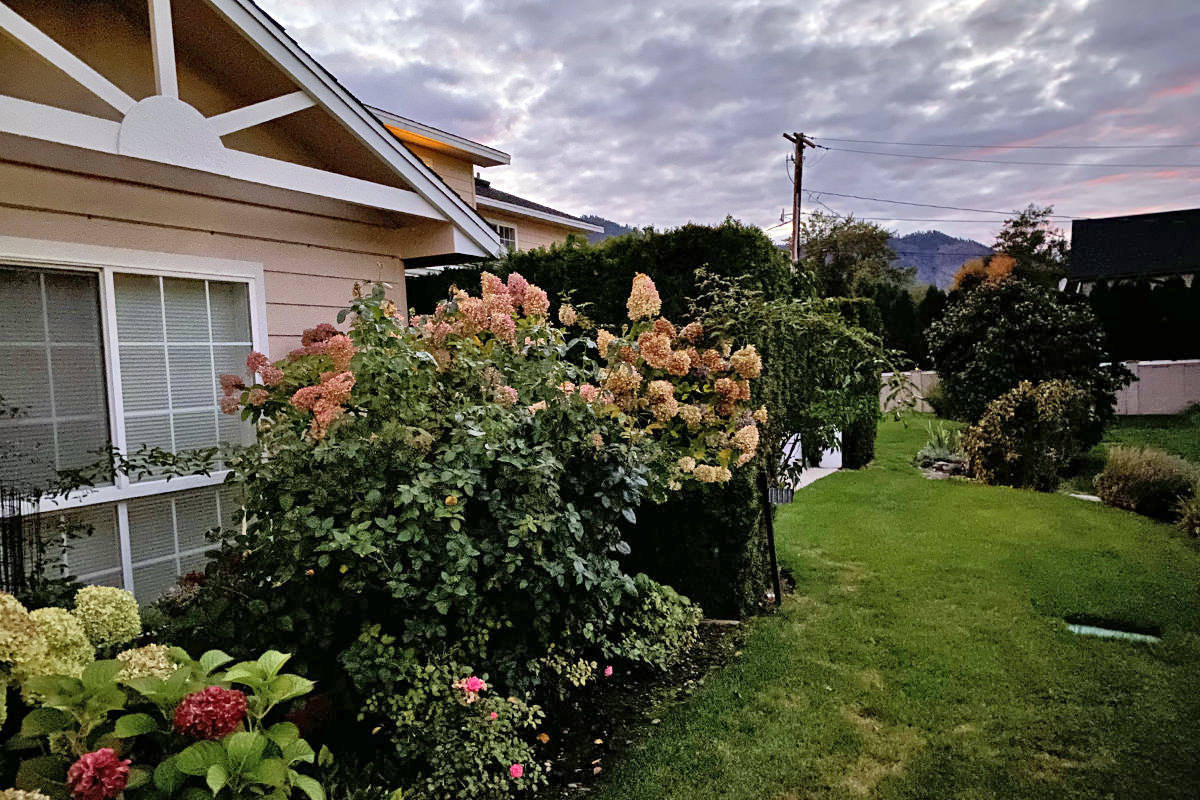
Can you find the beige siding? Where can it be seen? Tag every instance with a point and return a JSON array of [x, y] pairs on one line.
[[310, 262], [531, 233], [457, 173]]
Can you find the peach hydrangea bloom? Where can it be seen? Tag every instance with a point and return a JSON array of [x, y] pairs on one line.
[[692, 332], [692, 415], [537, 304], [567, 388], [679, 363], [516, 287], [567, 314], [706, 473], [746, 362], [603, 340], [655, 349], [505, 396], [746, 439], [230, 404], [257, 396], [760, 416], [687, 464], [588, 392], [644, 301], [540, 405], [713, 360], [663, 325]]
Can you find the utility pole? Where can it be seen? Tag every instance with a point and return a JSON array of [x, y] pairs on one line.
[[800, 141]]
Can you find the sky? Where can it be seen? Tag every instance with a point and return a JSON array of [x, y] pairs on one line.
[[662, 112]]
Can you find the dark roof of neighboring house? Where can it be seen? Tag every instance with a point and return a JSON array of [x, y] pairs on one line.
[[1164, 243], [484, 189]]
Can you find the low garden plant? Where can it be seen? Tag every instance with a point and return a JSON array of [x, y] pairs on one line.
[[433, 510], [1148, 481], [150, 723]]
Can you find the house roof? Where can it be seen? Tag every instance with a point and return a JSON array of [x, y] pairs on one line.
[[409, 130], [1139, 245], [486, 196]]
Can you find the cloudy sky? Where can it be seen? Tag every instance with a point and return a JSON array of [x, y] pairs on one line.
[[660, 112]]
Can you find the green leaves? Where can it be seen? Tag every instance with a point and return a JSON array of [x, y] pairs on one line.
[[134, 725], [197, 758], [43, 722]]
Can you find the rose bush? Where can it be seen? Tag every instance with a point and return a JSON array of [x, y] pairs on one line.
[[455, 482]]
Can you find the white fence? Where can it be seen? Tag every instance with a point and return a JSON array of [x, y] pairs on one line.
[[1162, 387]]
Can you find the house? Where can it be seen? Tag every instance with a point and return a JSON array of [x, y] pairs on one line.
[[521, 224], [183, 184], [1151, 247]]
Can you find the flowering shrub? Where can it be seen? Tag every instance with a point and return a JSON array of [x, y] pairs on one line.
[[104, 735], [109, 615], [457, 481]]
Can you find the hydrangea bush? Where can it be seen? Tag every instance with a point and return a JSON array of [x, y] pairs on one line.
[[150, 724], [455, 482]]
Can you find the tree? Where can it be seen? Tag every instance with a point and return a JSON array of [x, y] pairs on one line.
[[1039, 249], [994, 337], [988, 269], [849, 257]]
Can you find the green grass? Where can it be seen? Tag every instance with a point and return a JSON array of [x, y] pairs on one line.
[[924, 654]]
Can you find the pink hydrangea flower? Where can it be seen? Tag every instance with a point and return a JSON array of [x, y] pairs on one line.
[[516, 771], [588, 392], [536, 303], [316, 335], [256, 362], [505, 395], [99, 775], [567, 314], [231, 384], [516, 287], [230, 404], [643, 300], [212, 713]]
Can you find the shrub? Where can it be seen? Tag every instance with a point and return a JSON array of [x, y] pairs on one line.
[[1028, 436], [656, 627], [454, 487], [1000, 334], [1146, 480], [1189, 513]]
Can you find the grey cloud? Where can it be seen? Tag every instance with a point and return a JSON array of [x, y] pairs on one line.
[[664, 111]]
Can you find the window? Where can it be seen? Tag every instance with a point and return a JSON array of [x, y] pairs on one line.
[[53, 403], [507, 234], [97, 356]]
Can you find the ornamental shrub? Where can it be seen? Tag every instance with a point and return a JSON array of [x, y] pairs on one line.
[[997, 335], [455, 484], [109, 615], [1189, 513], [656, 627], [1146, 480], [1028, 436]]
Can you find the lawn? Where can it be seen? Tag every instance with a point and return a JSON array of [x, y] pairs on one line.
[[924, 654]]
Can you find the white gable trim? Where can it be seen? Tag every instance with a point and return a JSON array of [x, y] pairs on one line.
[[328, 93], [37, 121]]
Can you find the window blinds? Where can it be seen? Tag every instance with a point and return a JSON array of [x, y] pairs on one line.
[[53, 397], [176, 336]]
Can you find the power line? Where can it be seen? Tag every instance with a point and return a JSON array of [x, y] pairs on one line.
[[1015, 163], [902, 219], [924, 205], [1017, 146]]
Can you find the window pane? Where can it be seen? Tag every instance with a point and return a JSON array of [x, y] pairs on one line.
[[164, 533], [180, 338], [97, 549], [53, 395]]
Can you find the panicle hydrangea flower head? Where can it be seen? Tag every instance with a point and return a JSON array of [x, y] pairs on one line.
[[567, 388], [505, 396], [644, 301], [231, 384], [317, 335], [151, 661], [100, 775], [340, 350], [603, 340], [713, 360], [588, 392], [746, 362], [503, 327], [516, 287], [567, 314], [211, 713], [663, 325], [229, 404], [490, 286], [746, 439], [692, 332], [707, 473], [257, 396], [760, 416], [727, 388], [257, 362], [679, 364], [655, 349], [536, 303], [692, 415], [687, 464], [67, 648], [109, 615]]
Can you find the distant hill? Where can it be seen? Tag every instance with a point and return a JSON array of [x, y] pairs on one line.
[[935, 255], [610, 228]]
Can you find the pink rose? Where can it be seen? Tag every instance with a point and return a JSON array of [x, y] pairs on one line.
[[608, 671], [516, 771], [493, 715], [474, 684]]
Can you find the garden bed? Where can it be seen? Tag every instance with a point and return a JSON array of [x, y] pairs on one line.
[[600, 726]]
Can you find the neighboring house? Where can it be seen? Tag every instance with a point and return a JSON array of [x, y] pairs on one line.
[[1152, 247], [182, 184], [521, 224]]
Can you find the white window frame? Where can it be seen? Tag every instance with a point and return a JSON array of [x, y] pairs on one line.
[[515, 240], [105, 262]]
